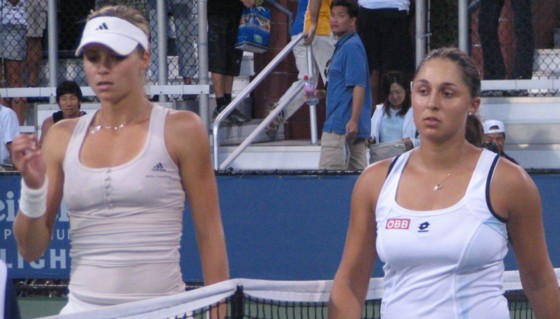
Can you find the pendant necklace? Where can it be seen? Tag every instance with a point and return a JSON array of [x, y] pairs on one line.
[[439, 185]]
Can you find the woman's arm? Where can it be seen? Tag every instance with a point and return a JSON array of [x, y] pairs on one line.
[[352, 277], [516, 194], [37, 166], [187, 138]]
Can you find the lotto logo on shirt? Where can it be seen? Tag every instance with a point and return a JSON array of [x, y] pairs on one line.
[[397, 223]]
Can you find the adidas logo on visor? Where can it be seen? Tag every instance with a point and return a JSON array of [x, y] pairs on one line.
[[102, 26]]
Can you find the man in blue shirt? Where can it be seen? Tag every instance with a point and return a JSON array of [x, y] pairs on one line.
[[347, 123]]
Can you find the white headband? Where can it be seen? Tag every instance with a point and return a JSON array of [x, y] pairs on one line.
[[119, 35]]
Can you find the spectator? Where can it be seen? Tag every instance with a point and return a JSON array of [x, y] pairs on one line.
[[488, 25], [223, 58], [68, 98], [392, 120], [9, 129], [384, 27], [495, 132], [186, 32], [36, 11], [125, 172], [347, 124], [13, 31], [9, 308], [323, 47], [442, 215]]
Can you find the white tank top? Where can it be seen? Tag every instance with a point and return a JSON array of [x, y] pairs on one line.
[[446, 263], [126, 222]]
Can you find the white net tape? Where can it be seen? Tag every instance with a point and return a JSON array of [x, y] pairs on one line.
[[181, 305]]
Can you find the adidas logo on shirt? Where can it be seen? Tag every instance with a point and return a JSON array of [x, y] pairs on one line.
[[158, 168], [102, 26]]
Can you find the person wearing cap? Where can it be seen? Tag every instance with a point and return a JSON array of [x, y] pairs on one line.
[[125, 172], [495, 132], [68, 98]]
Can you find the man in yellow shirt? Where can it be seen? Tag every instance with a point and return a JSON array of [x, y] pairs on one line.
[[318, 30]]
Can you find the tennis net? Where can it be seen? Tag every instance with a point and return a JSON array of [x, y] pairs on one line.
[[260, 299]]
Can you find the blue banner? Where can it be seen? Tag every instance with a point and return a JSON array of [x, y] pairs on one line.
[[55, 263], [278, 227]]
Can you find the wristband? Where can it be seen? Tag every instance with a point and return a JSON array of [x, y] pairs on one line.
[[33, 202]]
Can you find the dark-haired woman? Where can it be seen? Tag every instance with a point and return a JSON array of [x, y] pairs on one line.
[[440, 217]]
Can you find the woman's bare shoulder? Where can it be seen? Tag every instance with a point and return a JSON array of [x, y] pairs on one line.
[[183, 120], [510, 176], [374, 175], [58, 137], [64, 127]]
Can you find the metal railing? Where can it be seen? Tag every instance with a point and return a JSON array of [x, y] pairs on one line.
[[162, 88], [242, 95]]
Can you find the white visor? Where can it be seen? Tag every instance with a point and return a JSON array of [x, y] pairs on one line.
[[119, 35]]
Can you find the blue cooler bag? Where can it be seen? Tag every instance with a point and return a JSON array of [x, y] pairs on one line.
[[254, 30]]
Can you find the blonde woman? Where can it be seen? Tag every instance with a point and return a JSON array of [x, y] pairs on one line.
[[125, 172]]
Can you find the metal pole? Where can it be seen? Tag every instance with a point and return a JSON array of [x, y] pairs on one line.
[[420, 30], [162, 45], [312, 108], [463, 25], [52, 46], [203, 60]]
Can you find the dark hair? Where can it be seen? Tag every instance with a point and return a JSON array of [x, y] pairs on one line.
[[467, 66], [68, 87], [351, 5], [401, 79], [474, 133]]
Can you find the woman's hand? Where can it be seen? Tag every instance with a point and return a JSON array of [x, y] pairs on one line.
[[28, 159], [321, 94], [408, 143]]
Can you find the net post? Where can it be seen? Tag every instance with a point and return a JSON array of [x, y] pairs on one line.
[[237, 301]]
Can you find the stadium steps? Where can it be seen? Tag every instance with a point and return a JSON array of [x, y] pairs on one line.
[[532, 125], [532, 128]]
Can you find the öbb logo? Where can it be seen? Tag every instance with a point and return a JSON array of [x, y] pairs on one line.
[[397, 223]]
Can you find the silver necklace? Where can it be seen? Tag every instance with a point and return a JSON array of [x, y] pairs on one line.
[[98, 127], [439, 185]]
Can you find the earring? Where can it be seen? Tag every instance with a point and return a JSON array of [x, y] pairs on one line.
[[470, 113]]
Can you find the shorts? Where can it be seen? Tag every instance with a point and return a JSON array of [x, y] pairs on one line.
[[339, 153], [12, 41], [36, 11], [223, 57], [386, 36]]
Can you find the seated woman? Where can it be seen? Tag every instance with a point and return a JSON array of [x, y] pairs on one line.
[[68, 98], [392, 120]]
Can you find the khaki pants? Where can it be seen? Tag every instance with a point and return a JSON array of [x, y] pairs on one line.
[[382, 151], [338, 153]]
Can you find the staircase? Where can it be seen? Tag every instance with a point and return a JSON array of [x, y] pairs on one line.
[[532, 128]]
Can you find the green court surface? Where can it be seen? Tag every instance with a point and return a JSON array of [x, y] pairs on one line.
[[36, 307]]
